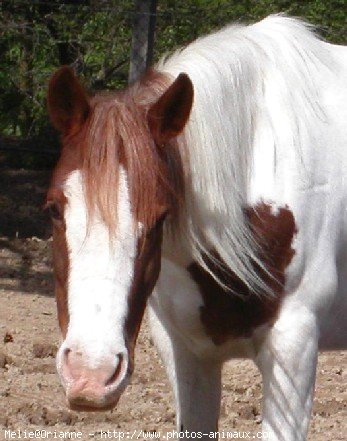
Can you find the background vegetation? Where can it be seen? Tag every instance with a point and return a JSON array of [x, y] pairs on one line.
[[94, 36]]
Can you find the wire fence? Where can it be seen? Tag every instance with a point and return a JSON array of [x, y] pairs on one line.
[[109, 43]]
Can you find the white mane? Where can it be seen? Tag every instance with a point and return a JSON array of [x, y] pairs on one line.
[[232, 70]]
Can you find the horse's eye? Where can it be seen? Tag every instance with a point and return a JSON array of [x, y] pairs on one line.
[[162, 218], [54, 211]]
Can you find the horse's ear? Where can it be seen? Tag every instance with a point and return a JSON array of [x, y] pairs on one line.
[[168, 116], [67, 101]]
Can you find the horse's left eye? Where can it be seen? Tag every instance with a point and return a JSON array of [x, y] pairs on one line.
[[162, 218], [54, 211]]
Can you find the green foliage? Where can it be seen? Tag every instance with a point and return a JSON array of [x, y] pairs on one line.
[[36, 37], [182, 21], [95, 36]]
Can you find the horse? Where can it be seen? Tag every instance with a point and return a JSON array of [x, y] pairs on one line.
[[212, 190]]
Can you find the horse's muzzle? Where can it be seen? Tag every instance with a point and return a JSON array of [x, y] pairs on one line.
[[96, 386]]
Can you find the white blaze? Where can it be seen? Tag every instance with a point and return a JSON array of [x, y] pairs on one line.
[[100, 273]]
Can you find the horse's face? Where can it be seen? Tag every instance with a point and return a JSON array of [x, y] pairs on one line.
[[108, 217]]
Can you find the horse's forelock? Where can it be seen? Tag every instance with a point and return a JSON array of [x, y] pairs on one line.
[[117, 135]]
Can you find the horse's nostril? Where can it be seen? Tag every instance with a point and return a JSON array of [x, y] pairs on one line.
[[117, 371], [66, 353], [65, 361], [72, 364]]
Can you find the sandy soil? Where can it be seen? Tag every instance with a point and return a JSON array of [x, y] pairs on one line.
[[30, 394]]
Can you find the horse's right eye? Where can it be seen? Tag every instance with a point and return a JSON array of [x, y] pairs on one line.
[[54, 211]]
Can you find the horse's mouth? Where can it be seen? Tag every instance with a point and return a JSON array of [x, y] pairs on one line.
[[93, 399], [84, 406]]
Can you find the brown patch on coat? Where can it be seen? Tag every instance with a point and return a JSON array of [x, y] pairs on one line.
[[56, 202], [68, 162], [146, 272], [227, 315], [61, 270]]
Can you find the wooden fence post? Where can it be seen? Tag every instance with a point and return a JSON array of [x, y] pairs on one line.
[[143, 38]]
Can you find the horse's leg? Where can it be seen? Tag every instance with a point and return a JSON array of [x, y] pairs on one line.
[[287, 359], [196, 381], [187, 352]]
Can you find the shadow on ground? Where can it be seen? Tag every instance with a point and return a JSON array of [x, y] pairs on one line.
[[25, 257], [22, 195]]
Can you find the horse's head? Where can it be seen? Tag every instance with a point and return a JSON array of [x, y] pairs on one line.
[[118, 177]]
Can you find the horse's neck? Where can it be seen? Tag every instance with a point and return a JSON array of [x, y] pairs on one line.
[[257, 130]]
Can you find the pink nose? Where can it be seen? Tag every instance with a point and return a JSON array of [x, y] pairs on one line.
[[91, 387]]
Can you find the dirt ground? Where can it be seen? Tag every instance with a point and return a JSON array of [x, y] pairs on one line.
[[30, 394]]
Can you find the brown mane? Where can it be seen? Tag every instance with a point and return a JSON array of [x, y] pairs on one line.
[[116, 134]]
